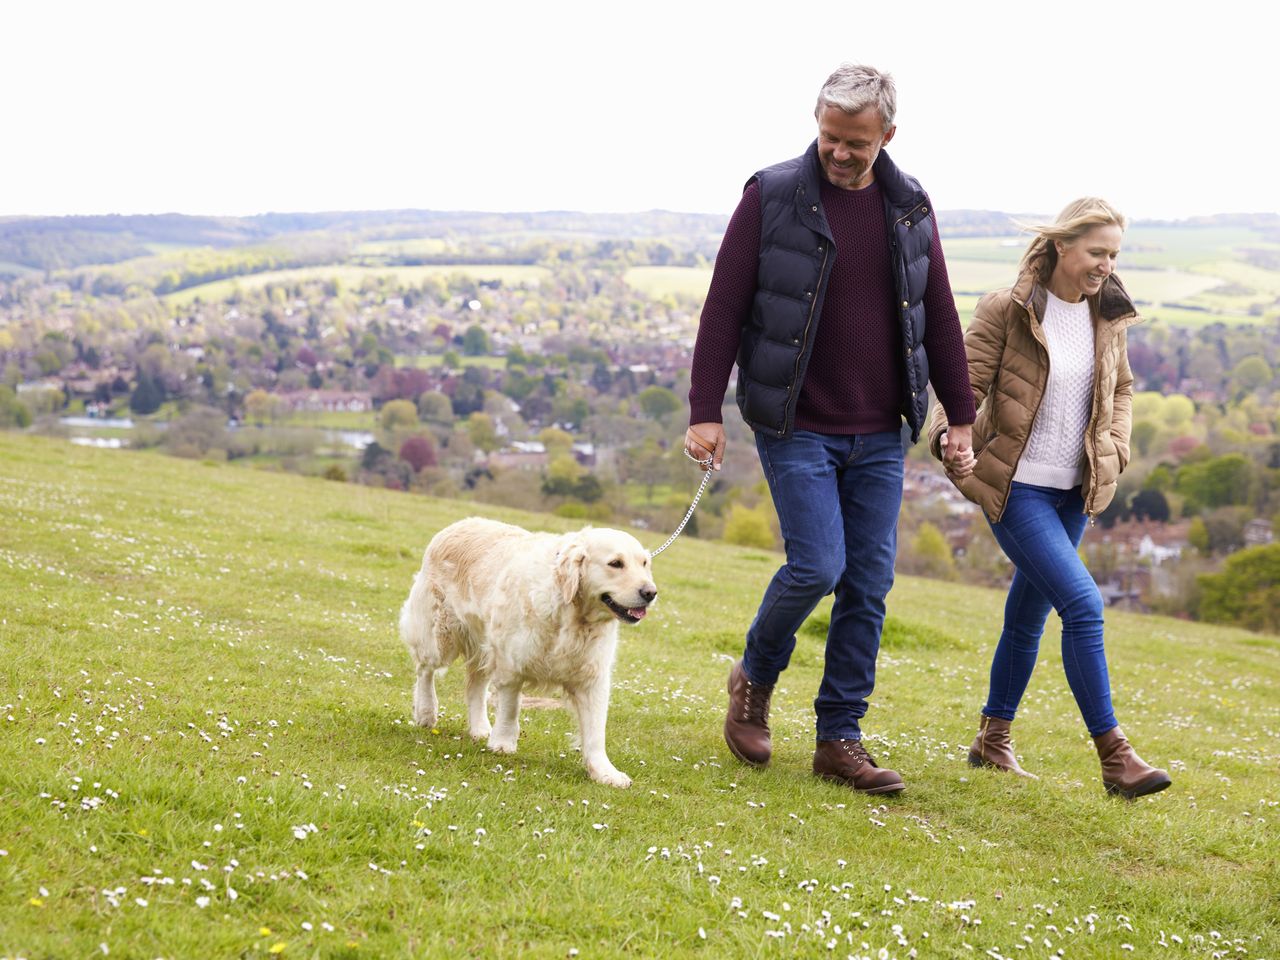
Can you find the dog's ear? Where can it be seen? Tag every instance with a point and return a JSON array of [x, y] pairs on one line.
[[569, 560]]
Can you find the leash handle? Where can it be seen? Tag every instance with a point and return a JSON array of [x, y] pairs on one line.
[[706, 476]]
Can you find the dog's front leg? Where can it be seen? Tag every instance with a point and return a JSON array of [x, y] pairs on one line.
[[506, 727], [591, 704]]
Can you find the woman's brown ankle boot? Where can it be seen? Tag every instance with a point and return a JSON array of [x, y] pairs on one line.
[[993, 748], [1123, 771]]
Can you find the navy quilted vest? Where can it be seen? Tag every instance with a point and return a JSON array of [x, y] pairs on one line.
[[796, 256]]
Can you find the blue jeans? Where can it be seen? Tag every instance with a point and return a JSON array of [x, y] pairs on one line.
[[1039, 531], [837, 499]]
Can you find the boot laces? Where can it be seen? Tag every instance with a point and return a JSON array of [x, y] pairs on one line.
[[856, 751], [755, 703]]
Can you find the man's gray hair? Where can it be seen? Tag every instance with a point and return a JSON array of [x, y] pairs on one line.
[[854, 86]]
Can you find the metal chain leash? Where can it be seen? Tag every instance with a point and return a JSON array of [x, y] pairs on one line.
[[706, 476]]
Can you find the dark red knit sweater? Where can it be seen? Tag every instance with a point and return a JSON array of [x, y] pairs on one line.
[[853, 383]]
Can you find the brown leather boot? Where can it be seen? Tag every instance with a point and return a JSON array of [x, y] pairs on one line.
[[847, 762], [1123, 771], [746, 726], [993, 748]]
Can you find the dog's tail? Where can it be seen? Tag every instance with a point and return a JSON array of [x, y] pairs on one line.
[[416, 619]]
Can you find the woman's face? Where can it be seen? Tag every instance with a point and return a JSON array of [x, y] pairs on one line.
[[1085, 264]]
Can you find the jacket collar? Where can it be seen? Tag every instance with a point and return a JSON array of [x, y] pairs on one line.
[[1111, 304]]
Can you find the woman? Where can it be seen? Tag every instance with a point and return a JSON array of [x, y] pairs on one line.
[[1050, 374]]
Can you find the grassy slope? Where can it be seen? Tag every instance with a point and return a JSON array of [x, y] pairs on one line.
[[200, 661]]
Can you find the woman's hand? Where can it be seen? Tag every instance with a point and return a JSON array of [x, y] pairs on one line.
[[957, 455]]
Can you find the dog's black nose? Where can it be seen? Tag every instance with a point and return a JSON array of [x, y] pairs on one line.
[[648, 593]]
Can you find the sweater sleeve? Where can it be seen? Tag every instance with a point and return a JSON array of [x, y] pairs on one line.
[[733, 286], [944, 341]]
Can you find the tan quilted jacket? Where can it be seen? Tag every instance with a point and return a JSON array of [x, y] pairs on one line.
[[1008, 369]]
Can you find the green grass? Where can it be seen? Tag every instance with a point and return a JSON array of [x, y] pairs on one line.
[[658, 281], [203, 691], [354, 276], [426, 360]]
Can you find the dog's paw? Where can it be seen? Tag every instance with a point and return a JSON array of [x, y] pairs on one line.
[[610, 777], [424, 718], [481, 733]]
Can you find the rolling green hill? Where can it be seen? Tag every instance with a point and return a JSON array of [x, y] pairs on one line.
[[207, 752]]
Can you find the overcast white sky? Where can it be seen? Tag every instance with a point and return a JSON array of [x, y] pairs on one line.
[[1166, 109]]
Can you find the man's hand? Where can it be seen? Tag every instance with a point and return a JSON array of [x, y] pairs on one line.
[[957, 450], [703, 440]]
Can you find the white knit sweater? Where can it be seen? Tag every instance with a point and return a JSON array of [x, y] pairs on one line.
[[1054, 455]]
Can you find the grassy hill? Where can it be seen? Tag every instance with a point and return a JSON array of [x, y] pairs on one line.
[[206, 752]]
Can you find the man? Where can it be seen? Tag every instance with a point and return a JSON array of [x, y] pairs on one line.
[[831, 293]]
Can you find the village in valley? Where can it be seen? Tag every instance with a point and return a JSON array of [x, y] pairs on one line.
[[547, 368]]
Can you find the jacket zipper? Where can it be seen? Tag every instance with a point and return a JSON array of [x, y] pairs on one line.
[[1091, 436], [1091, 433], [1038, 337]]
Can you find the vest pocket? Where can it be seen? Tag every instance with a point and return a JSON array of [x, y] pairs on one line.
[[773, 363]]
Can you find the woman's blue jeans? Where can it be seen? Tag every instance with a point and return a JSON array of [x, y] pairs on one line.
[[837, 499], [1039, 531]]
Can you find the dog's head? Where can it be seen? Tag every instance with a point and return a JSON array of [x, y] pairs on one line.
[[607, 572]]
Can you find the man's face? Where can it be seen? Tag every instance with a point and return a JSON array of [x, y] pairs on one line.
[[848, 144]]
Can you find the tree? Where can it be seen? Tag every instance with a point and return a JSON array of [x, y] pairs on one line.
[[483, 432], [374, 456], [932, 552], [748, 527], [1178, 410], [260, 406], [1250, 374], [556, 441], [435, 407], [1198, 536], [13, 413], [397, 414], [147, 395], [1144, 431], [197, 432], [418, 451], [475, 342], [658, 402], [1247, 591], [1149, 504], [1216, 482]]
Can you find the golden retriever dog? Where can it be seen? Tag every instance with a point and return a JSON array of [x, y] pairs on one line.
[[526, 608]]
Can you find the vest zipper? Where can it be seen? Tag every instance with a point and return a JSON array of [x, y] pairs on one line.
[[804, 340]]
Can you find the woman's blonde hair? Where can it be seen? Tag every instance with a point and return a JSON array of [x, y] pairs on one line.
[[1075, 220]]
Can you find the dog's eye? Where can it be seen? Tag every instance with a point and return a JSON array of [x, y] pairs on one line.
[[618, 564]]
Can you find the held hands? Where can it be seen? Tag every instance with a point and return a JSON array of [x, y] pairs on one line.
[[703, 440], [957, 450]]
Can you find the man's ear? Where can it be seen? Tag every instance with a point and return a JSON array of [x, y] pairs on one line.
[[569, 568]]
